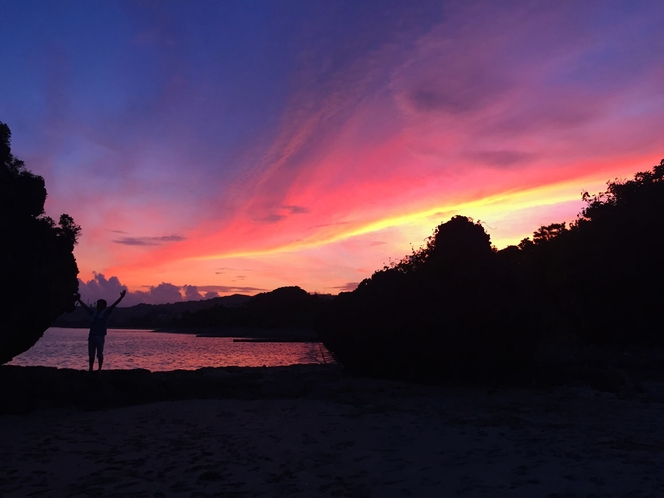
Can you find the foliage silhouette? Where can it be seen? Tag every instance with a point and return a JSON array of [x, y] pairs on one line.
[[37, 257], [454, 308], [601, 277]]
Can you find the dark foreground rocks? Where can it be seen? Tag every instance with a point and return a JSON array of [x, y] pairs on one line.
[[25, 389]]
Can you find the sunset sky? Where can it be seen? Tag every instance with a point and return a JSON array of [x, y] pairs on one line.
[[219, 146]]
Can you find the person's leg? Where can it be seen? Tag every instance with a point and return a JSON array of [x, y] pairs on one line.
[[91, 352], [100, 351]]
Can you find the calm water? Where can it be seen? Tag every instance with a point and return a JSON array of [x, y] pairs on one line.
[[125, 349]]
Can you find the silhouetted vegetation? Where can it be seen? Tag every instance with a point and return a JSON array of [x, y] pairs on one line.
[[459, 309], [452, 308], [38, 266], [601, 277]]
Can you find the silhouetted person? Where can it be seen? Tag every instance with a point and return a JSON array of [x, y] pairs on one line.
[[98, 327]]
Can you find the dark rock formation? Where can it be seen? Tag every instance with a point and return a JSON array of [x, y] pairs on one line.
[[38, 274]]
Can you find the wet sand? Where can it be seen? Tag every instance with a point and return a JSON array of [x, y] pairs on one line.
[[317, 432]]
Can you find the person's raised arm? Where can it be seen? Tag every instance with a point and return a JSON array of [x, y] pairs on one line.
[[122, 295], [85, 306]]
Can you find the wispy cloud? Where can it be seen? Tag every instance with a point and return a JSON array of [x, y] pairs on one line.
[[234, 289], [503, 158], [149, 241], [347, 287], [225, 269], [296, 209]]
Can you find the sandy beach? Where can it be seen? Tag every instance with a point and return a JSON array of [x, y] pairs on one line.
[[348, 437]]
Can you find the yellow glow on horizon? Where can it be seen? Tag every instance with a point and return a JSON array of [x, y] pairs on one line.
[[507, 201]]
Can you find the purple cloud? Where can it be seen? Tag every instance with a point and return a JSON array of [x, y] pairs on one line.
[[162, 293], [191, 293], [503, 158], [99, 287], [149, 241], [296, 209], [348, 287]]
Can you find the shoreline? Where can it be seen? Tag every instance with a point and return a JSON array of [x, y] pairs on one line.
[[29, 388]]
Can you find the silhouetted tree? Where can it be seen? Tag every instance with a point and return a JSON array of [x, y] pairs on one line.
[[451, 309], [38, 266], [601, 277]]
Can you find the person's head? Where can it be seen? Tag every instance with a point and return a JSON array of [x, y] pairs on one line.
[[101, 304]]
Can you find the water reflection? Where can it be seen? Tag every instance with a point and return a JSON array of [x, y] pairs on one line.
[[126, 349]]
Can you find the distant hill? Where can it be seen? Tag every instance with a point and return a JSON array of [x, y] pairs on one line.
[[151, 316], [282, 307]]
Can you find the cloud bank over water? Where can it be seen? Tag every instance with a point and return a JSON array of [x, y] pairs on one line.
[[100, 287]]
